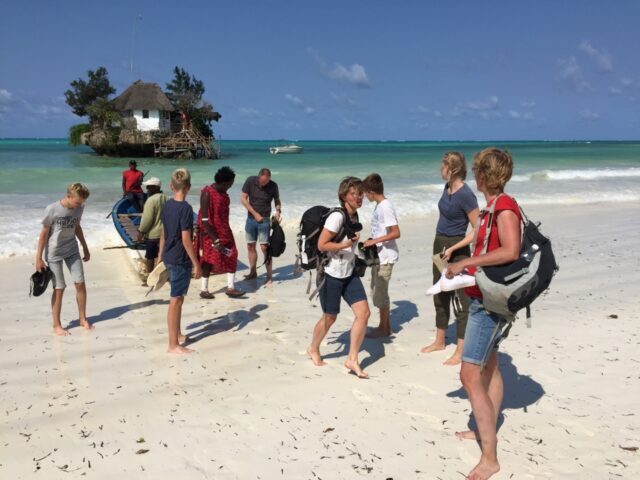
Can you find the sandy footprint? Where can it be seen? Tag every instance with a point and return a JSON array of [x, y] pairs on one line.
[[361, 396]]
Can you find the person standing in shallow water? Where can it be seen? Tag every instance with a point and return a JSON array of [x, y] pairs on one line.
[[340, 280], [480, 371], [216, 246], [458, 207]]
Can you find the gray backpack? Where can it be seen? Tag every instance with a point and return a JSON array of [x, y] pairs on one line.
[[508, 288]]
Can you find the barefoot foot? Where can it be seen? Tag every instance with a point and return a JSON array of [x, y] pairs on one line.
[[434, 347], [484, 470], [467, 435], [86, 325], [315, 357], [268, 281], [378, 333], [355, 368], [251, 276], [61, 331], [183, 339], [179, 350], [455, 359]]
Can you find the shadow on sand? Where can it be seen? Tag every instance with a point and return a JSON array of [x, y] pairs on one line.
[[403, 312], [521, 391], [116, 312], [235, 320]]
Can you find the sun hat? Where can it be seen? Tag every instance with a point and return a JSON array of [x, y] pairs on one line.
[[153, 181], [40, 281], [157, 278]]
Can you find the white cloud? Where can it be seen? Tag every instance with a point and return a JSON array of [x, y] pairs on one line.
[[249, 112], [571, 75], [601, 58], [420, 109], [588, 115], [527, 104], [626, 81], [347, 122], [345, 101], [615, 91], [5, 96], [355, 75], [297, 102], [483, 105], [514, 114]]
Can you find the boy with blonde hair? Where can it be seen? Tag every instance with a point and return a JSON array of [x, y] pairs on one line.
[[178, 255], [60, 228]]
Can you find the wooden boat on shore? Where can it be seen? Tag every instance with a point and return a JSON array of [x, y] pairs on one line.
[[291, 148], [126, 219]]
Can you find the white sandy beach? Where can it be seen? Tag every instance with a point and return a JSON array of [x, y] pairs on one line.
[[248, 404]]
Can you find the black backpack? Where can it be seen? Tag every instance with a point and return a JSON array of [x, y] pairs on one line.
[[508, 288], [277, 244], [309, 257]]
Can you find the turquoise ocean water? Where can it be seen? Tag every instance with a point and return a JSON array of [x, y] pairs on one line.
[[36, 172]]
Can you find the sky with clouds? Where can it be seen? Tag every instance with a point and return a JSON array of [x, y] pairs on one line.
[[340, 69]]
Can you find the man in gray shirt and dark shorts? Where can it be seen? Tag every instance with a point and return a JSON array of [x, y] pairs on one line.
[[257, 194]]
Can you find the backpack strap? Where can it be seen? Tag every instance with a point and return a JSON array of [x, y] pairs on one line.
[[485, 242]]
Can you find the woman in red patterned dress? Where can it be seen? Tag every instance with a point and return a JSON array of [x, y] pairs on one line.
[[216, 245]]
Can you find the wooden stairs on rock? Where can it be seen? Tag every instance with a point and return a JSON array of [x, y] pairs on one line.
[[187, 143]]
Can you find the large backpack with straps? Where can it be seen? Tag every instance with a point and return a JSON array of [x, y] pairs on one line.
[[506, 289], [309, 258]]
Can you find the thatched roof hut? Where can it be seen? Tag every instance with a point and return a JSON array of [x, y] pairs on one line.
[[143, 96]]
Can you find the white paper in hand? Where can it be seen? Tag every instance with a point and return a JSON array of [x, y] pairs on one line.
[[445, 284]]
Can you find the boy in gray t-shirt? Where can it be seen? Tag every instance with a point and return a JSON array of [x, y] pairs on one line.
[[60, 228]]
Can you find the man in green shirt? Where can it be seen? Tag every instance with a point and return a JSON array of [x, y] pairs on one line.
[[151, 226]]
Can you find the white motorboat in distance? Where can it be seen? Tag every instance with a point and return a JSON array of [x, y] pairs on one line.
[[286, 149]]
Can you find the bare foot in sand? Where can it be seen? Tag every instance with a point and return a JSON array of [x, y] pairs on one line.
[[484, 470], [268, 281], [434, 347], [180, 350], [455, 359], [183, 339], [86, 325], [61, 331], [467, 435], [355, 368], [378, 333], [251, 276], [315, 357]]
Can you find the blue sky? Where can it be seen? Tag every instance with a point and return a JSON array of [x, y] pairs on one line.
[[340, 69]]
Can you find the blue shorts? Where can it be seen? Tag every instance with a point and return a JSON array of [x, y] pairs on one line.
[[483, 333], [255, 231], [74, 264], [179, 278], [334, 289]]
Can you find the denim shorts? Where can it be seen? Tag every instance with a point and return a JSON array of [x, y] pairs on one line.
[[483, 334], [152, 248], [74, 264], [255, 231], [179, 278], [334, 289]]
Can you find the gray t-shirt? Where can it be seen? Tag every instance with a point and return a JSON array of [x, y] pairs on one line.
[[454, 210], [260, 198], [62, 232]]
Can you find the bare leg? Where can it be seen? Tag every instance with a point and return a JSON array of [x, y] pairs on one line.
[[492, 381], [456, 358], [253, 260], [384, 329], [268, 265], [484, 413], [174, 315], [319, 332], [56, 308], [81, 299], [358, 330], [438, 343]]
